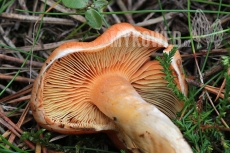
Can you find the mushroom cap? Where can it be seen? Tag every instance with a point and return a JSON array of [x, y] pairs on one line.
[[60, 97]]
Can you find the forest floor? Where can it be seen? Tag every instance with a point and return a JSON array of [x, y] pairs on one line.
[[31, 30]]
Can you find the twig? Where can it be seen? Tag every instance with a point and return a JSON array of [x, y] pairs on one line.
[[222, 86], [129, 4], [13, 128], [123, 8], [213, 70], [117, 20], [41, 47], [9, 108], [8, 90], [58, 137], [138, 4], [23, 91], [215, 127], [31, 25], [22, 3], [18, 78], [10, 67], [38, 148], [20, 61], [226, 18], [209, 88], [218, 53], [149, 16], [217, 112], [157, 20], [1, 129], [20, 99], [6, 124], [8, 41], [29, 18], [20, 121]]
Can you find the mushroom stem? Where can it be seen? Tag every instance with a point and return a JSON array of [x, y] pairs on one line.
[[150, 129]]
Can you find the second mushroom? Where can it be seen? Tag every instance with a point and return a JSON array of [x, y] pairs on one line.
[[111, 85]]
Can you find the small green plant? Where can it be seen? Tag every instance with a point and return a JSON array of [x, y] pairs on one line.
[[224, 104], [82, 142], [226, 61], [92, 10], [44, 140], [198, 124], [165, 62]]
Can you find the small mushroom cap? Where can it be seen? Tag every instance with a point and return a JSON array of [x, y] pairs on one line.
[[60, 98]]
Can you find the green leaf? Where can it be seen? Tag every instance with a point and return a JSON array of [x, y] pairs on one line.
[[99, 4], [93, 18], [77, 4]]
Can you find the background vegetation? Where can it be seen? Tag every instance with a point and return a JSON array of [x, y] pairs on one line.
[[31, 30]]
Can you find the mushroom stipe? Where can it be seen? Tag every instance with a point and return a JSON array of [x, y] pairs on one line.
[[110, 85]]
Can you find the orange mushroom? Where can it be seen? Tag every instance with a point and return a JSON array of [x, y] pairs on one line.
[[110, 85]]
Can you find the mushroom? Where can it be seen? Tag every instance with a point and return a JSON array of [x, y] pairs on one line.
[[110, 85]]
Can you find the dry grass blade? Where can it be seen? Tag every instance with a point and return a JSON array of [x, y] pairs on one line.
[[23, 98], [217, 91], [20, 121], [222, 87], [124, 8], [20, 61], [13, 128], [58, 138], [220, 91], [23, 91], [26, 18], [18, 78]]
